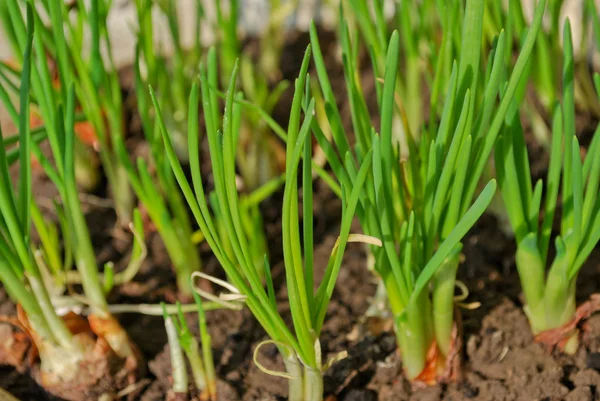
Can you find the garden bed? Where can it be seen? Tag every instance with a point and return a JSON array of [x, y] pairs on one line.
[[500, 359]]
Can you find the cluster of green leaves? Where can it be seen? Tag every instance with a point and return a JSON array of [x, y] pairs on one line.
[[152, 179], [299, 346], [171, 77], [17, 259], [550, 297], [423, 206], [544, 69], [172, 72], [252, 221], [259, 152], [429, 42], [96, 83], [21, 270], [56, 109]]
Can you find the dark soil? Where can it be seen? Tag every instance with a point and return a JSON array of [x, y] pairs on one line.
[[500, 360]]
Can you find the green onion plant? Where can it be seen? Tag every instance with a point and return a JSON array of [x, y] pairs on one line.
[[165, 207], [61, 352], [550, 293], [250, 200], [182, 342], [260, 154], [170, 73], [422, 206], [96, 82], [299, 346], [86, 161], [155, 187], [172, 81], [545, 74], [430, 39]]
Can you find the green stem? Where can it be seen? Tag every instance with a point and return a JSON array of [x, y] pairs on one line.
[[414, 338], [559, 296], [560, 308], [531, 272], [47, 238], [207, 355], [565, 315], [306, 383], [443, 301], [209, 365], [18, 292], [86, 261], [572, 343], [197, 366], [57, 326], [393, 292], [414, 326], [184, 256], [122, 194], [178, 368], [293, 368], [313, 384]]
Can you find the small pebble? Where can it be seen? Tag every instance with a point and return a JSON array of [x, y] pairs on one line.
[[593, 360], [469, 391], [580, 394], [361, 395]]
